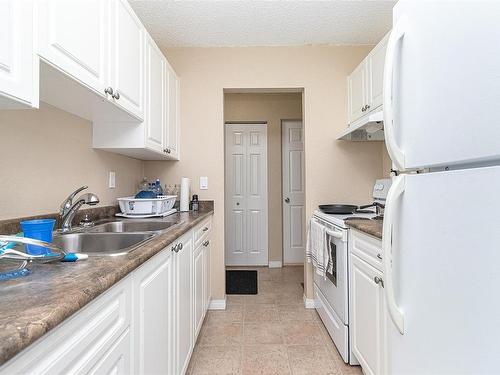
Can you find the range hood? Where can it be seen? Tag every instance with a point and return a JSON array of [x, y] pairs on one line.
[[367, 128]]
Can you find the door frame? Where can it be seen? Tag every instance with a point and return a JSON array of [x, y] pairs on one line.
[[228, 204], [283, 121]]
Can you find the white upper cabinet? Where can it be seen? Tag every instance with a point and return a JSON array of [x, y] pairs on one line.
[[172, 134], [356, 84], [149, 140], [375, 74], [73, 36], [18, 66], [364, 84], [156, 97], [127, 58], [92, 49]]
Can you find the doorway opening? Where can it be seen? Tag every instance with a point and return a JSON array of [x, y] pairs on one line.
[[264, 178]]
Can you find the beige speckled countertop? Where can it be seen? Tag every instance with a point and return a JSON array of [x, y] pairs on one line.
[[33, 305], [371, 227]]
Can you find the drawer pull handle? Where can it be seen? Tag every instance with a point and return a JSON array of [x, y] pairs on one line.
[[205, 229], [379, 256], [379, 281]]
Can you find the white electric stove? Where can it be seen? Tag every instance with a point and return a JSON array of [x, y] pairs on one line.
[[331, 293]]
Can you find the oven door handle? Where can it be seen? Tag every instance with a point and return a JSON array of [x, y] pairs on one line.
[[335, 234]]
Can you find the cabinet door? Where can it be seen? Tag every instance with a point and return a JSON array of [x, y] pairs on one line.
[[153, 315], [156, 102], [356, 88], [183, 293], [18, 75], [73, 37], [172, 136], [117, 360], [127, 69], [206, 265], [199, 286], [375, 75], [368, 315]]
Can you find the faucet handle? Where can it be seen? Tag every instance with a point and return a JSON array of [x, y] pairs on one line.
[[66, 204]]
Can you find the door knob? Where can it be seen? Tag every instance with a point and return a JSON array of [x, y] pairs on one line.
[[287, 200], [237, 203]]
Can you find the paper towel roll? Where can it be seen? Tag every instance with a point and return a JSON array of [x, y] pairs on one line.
[[184, 200]]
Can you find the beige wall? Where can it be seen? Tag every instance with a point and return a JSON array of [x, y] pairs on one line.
[[386, 161], [271, 108], [336, 171], [46, 154]]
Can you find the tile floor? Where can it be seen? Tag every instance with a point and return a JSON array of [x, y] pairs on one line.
[[267, 333]]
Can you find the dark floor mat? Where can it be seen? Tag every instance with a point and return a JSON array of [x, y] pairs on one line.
[[241, 282]]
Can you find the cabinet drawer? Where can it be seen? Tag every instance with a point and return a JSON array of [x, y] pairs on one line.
[[367, 248], [202, 231], [76, 345]]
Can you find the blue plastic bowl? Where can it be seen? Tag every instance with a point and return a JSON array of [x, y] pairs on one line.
[[39, 230]]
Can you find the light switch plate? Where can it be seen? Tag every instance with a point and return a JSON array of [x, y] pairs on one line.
[[112, 180], [203, 183]]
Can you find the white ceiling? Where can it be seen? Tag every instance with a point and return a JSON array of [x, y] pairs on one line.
[[264, 23]]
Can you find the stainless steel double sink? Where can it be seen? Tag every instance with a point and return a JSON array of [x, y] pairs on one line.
[[113, 237]]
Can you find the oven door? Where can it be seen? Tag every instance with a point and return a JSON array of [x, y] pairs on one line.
[[334, 286]]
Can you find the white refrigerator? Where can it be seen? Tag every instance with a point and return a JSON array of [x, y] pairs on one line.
[[441, 235]]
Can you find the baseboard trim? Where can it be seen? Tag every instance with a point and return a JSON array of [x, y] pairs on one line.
[[275, 264], [309, 303], [217, 304]]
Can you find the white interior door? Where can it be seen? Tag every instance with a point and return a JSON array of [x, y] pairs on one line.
[[292, 137], [246, 194]]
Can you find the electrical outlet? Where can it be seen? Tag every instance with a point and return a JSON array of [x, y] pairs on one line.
[[203, 183], [112, 180]]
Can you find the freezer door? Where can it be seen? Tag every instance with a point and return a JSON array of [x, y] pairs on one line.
[[445, 273], [442, 83]]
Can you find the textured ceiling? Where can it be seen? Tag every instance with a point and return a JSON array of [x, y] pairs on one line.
[[264, 23]]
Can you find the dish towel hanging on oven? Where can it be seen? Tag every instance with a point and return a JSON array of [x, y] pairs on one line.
[[316, 249]]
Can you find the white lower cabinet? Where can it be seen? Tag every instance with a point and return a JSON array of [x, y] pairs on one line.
[[367, 311], [154, 314], [142, 325], [198, 281], [184, 303]]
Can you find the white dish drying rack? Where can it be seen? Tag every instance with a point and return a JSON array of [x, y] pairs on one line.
[[147, 207]]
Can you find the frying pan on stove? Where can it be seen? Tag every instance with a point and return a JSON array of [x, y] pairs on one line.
[[338, 208]]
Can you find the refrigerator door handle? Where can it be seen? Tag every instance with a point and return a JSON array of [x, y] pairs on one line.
[[395, 192], [395, 152]]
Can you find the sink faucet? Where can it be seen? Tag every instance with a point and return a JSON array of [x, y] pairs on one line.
[[69, 209]]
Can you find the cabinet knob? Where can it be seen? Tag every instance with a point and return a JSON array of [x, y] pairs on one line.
[[379, 281], [206, 243], [116, 95], [168, 151], [174, 248], [379, 256], [180, 246], [108, 90], [367, 106], [287, 200], [205, 229], [363, 109]]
